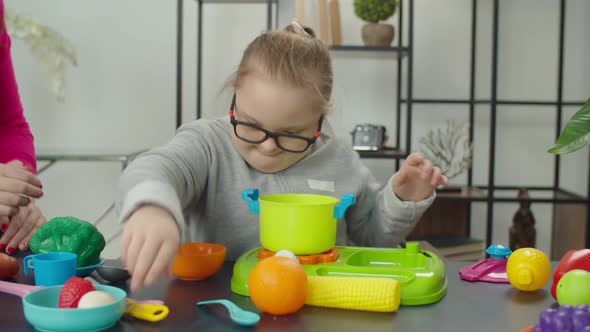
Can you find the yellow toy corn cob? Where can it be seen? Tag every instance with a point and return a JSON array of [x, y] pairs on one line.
[[356, 293]]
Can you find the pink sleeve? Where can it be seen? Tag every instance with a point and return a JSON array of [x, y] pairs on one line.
[[16, 140]]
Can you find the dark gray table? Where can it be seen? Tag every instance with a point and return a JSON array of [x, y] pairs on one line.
[[466, 307]]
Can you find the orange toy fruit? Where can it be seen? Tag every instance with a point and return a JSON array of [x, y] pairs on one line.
[[278, 285]]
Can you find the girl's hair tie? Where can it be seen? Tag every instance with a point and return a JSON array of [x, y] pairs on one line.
[[298, 28]]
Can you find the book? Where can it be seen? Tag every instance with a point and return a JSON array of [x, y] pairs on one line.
[[447, 245]]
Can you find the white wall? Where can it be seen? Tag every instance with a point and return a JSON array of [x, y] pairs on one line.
[[122, 94]]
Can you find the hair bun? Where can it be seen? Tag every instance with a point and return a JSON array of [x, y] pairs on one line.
[[295, 27]]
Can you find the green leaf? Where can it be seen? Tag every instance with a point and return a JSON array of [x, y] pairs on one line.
[[576, 133]]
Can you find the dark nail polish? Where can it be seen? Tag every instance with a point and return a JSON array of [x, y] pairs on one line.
[[10, 250], [4, 227], [2, 246]]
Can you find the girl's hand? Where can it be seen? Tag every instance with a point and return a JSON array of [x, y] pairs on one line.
[[417, 179], [17, 187], [19, 228], [149, 244]]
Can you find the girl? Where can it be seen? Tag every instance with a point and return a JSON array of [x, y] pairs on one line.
[[276, 139]]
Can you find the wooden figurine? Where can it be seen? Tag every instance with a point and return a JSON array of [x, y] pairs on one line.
[[522, 232]]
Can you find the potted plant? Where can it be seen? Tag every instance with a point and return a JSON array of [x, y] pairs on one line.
[[576, 133], [373, 12]]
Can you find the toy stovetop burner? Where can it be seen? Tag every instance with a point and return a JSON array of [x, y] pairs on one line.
[[325, 257], [420, 273]]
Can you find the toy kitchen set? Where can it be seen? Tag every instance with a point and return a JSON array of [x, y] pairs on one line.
[[305, 224]]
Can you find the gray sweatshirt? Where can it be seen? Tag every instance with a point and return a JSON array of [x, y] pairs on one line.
[[199, 177]]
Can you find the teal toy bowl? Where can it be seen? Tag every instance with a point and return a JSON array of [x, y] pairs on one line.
[[85, 271], [41, 310]]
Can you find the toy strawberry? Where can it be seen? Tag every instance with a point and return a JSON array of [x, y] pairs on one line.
[[72, 291]]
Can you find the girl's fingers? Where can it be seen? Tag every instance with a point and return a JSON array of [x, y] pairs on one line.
[[436, 177], [133, 252], [161, 265], [414, 159], [402, 175], [125, 241], [149, 252], [427, 170]]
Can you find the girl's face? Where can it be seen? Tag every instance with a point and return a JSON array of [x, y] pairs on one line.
[[276, 107]]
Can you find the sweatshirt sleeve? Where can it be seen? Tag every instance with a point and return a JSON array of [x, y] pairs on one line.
[[16, 140], [379, 217], [170, 176]]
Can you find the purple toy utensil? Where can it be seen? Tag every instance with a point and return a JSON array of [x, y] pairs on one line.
[[492, 269]]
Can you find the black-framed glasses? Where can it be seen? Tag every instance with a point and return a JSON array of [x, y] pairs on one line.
[[251, 133]]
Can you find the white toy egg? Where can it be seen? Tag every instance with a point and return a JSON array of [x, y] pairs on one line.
[[95, 299], [288, 254]]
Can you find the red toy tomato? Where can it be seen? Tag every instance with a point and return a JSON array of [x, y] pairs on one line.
[[572, 260]]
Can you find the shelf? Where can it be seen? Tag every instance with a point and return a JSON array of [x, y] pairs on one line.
[[387, 153], [86, 154], [498, 102], [507, 194], [462, 194], [401, 51], [539, 195]]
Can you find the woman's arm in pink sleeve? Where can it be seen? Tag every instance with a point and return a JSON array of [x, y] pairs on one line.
[[16, 140]]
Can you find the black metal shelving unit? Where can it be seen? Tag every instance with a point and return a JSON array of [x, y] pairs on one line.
[[402, 52], [180, 46], [489, 194]]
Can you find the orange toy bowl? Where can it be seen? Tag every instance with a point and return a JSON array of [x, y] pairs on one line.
[[198, 260]]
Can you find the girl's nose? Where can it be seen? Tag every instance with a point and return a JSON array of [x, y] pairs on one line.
[[269, 145]]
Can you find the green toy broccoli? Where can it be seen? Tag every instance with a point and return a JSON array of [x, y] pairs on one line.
[[69, 234]]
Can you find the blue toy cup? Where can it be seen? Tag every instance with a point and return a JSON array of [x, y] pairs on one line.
[[52, 268]]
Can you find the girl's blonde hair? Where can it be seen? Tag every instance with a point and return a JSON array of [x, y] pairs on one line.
[[292, 55]]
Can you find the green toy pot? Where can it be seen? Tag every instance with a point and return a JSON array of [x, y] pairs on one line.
[[301, 223]]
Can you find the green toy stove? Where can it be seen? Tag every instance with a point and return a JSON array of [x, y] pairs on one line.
[[421, 274]]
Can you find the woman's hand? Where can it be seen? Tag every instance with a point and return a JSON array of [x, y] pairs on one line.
[[149, 244], [19, 228], [17, 187], [417, 179]]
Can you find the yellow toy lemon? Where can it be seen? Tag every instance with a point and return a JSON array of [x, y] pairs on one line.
[[528, 269]]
